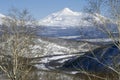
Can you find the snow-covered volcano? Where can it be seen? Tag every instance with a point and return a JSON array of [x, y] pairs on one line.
[[69, 24], [67, 17]]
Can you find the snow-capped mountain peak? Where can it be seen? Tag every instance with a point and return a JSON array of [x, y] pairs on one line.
[[67, 11]]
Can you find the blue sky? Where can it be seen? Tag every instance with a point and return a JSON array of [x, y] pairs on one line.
[[41, 8]]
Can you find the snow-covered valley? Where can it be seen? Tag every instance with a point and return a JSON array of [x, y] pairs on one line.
[[67, 31]]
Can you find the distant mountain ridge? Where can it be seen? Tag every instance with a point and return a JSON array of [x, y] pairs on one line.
[[67, 17]]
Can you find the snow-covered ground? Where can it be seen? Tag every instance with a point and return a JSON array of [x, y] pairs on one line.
[[58, 51], [46, 63]]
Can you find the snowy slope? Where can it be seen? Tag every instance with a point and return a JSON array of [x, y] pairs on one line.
[[52, 46], [1, 16], [67, 17]]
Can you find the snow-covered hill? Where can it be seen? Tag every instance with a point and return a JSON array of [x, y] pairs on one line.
[[53, 46], [67, 17]]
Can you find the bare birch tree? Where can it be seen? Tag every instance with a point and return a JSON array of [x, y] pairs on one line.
[[16, 44], [112, 11], [94, 6]]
